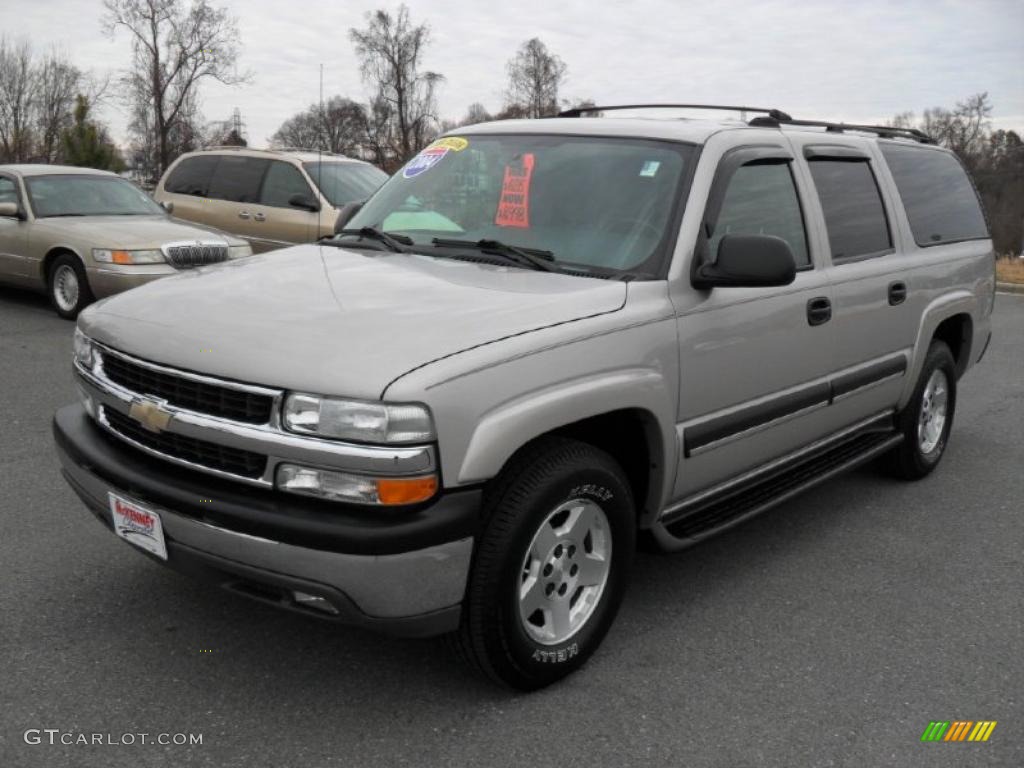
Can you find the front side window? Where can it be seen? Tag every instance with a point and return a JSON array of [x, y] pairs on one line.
[[596, 204], [854, 214], [237, 179], [345, 182], [83, 195], [761, 199], [8, 190], [282, 181], [937, 194]]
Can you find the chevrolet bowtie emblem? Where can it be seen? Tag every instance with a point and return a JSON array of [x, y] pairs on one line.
[[150, 415]]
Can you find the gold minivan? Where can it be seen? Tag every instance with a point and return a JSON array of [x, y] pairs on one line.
[[271, 198]]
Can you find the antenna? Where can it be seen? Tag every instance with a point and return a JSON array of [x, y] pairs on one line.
[[320, 158]]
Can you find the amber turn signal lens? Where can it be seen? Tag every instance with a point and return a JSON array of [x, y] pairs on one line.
[[406, 490], [121, 257]]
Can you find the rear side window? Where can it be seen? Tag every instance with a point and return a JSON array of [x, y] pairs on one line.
[[939, 198], [282, 181], [854, 214], [761, 199], [238, 179], [192, 176]]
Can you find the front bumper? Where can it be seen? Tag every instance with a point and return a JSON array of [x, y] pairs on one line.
[[108, 279], [401, 572]]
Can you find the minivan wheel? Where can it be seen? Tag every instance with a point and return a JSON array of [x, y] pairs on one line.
[[551, 565], [928, 417], [69, 287]]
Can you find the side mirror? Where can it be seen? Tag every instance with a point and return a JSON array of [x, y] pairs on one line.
[[299, 200], [168, 206], [10, 210], [348, 210], [750, 261]]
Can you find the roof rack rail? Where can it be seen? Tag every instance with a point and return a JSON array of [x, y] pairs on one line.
[[580, 111], [882, 131]]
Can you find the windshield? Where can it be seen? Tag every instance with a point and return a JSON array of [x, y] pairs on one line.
[[75, 195], [344, 183], [597, 202]]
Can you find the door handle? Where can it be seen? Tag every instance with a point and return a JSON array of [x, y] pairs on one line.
[[243, 214], [897, 292], [819, 310], [259, 217]]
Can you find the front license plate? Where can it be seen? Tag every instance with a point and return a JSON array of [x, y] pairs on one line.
[[135, 523]]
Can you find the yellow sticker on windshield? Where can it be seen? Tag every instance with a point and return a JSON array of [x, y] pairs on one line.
[[454, 143]]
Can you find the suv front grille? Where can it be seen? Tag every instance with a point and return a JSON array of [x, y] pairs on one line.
[[197, 396], [188, 255], [222, 458]]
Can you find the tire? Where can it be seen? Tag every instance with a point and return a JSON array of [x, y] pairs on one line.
[[548, 518], [68, 286], [927, 419]]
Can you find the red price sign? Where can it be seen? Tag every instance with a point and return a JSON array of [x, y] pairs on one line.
[[514, 205]]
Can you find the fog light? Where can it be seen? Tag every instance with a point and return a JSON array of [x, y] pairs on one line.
[[314, 601], [343, 486]]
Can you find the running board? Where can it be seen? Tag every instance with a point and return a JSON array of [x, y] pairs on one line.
[[691, 523]]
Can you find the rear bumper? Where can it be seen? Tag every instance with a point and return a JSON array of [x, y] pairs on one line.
[[402, 575]]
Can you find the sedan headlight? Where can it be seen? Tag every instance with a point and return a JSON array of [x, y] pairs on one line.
[[105, 256], [239, 251], [358, 420]]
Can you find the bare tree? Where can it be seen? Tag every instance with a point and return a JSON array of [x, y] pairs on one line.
[[964, 129], [174, 49], [534, 77], [17, 100], [58, 82], [339, 126], [403, 107]]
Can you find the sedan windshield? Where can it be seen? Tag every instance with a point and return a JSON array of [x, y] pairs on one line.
[[83, 195], [344, 183], [594, 204]]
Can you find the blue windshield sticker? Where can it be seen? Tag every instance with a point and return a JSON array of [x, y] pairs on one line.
[[424, 161], [650, 168]]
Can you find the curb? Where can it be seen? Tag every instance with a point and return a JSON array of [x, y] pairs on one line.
[[1010, 287]]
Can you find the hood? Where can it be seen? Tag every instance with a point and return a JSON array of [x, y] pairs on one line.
[[130, 232], [332, 321]]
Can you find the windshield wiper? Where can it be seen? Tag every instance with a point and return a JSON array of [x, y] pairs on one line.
[[394, 243], [532, 257]]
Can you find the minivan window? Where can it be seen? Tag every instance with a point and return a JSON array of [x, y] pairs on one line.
[[345, 182], [761, 199], [192, 176], [937, 194], [237, 179], [281, 182], [854, 214]]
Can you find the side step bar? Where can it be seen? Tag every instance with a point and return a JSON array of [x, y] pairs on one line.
[[709, 515]]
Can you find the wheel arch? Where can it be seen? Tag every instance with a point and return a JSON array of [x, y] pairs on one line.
[[949, 318], [51, 255]]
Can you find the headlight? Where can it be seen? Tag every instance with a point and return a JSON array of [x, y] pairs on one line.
[[238, 251], [362, 421], [85, 351], [128, 257], [343, 486]]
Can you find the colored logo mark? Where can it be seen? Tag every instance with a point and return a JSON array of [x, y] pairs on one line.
[[958, 730]]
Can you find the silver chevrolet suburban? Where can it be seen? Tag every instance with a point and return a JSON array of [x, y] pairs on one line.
[[537, 343]]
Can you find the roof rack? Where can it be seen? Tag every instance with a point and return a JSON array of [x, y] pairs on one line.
[[580, 111], [882, 131], [771, 118], [276, 150]]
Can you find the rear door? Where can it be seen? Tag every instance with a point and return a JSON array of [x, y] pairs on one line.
[[234, 196], [875, 324], [279, 220], [13, 232]]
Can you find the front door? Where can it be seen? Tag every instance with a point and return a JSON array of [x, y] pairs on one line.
[[13, 234], [754, 362]]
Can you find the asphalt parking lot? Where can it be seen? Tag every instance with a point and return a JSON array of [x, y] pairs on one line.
[[828, 632]]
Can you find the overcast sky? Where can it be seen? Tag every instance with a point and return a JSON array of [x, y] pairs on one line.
[[859, 61]]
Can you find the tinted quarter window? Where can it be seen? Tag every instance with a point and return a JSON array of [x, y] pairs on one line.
[[761, 199], [854, 215], [192, 176], [238, 179], [938, 196], [281, 182]]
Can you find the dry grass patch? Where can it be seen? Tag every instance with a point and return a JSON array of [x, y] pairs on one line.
[[1010, 271]]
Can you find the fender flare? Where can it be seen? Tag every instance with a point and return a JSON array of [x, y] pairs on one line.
[[959, 302]]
